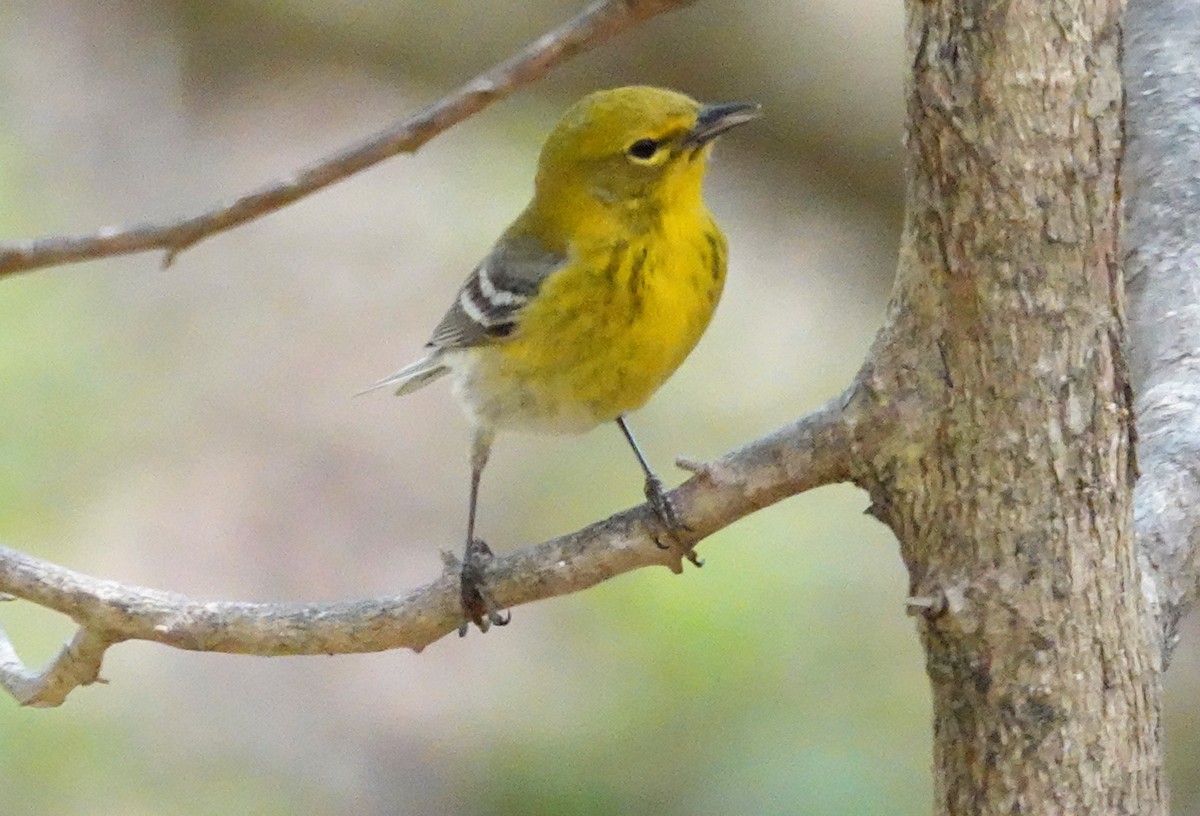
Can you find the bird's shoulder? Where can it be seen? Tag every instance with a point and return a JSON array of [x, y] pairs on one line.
[[489, 302]]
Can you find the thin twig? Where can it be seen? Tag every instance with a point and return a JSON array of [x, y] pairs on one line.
[[598, 23], [815, 450]]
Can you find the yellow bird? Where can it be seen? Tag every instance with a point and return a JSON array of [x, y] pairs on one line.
[[594, 295]]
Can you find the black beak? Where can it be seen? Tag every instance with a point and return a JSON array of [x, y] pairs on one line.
[[716, 119]]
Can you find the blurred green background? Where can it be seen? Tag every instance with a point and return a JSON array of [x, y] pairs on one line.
[[192, 429]]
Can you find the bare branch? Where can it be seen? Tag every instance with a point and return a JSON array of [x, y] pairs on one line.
[[78, 664], [599, 22], [1162, 181], [821, 448]]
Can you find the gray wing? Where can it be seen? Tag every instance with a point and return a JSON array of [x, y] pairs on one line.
[[489, 303]]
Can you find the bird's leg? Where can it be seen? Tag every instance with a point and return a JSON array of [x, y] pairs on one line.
[[659, 499], [477, 602]]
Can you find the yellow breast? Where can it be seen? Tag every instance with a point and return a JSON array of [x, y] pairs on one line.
[[604, 332]]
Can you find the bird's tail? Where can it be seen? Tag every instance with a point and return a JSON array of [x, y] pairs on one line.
[[413, 376]]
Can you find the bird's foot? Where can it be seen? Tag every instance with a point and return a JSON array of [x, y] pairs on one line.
[[673, 526], [478, 604]]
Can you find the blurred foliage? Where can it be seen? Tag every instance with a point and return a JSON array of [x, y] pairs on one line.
[[760, 707]]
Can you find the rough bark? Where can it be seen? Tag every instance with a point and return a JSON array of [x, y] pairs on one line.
[[1010, 489]]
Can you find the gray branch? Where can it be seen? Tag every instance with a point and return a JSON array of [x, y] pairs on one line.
[[78, 664], [1162, 267], [818, 449], [599, 22]]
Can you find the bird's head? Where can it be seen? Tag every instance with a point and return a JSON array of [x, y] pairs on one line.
[[631, 152]]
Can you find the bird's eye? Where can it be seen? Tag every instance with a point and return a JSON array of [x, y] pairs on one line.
[[644, 149]]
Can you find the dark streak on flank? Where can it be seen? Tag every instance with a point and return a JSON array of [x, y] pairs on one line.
[[614, 265], [708, 255], [716, 262], [636, 283]]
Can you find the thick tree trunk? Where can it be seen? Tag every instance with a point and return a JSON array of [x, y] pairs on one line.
[[1010, 492]]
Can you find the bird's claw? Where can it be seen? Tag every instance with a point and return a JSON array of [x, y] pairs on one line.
[[478, 604], [664, 508]]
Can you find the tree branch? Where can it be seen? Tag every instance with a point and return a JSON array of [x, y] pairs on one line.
[[1162, 182], [599, 22], [818, 449], [78, 664]]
